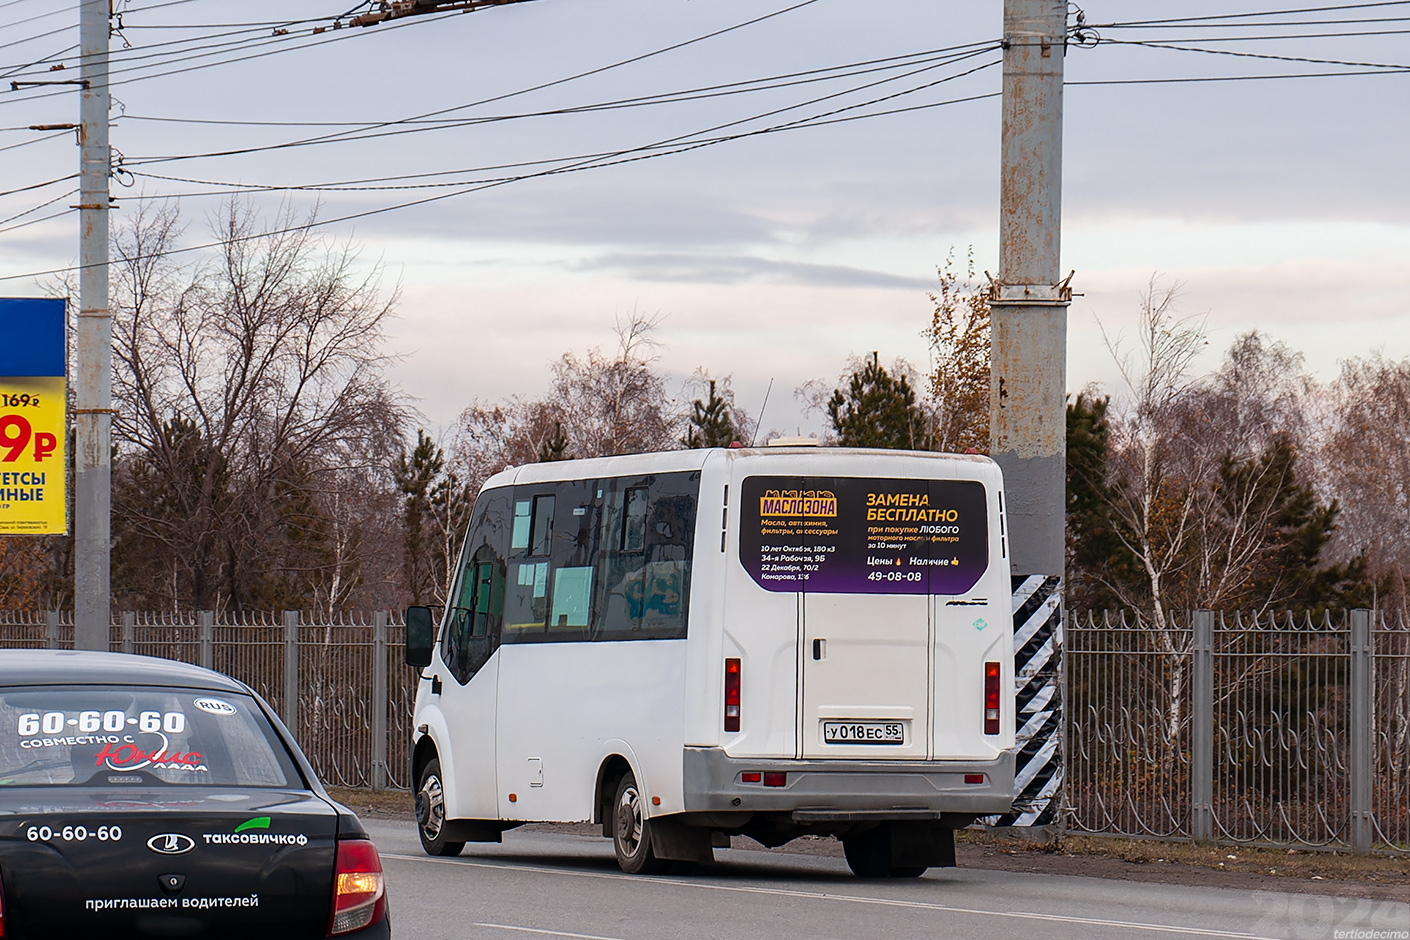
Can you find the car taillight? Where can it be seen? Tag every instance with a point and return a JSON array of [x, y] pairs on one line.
[[731, 695], [359, 891], [991, 698]]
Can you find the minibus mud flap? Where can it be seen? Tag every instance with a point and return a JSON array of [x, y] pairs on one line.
[[673, 840], [477, 830]]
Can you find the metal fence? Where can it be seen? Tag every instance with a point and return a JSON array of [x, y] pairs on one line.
[[1271, 730], [1277, 731], [341, 686]]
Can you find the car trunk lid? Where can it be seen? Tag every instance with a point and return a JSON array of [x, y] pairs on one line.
[[169, 862]]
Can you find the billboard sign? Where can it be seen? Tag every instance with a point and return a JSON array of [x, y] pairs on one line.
[[33, 414], [863, 535]]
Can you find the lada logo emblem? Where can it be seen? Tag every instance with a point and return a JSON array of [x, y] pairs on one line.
[[171, 843]]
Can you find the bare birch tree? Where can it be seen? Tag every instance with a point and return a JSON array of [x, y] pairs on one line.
[[1156, 470], [249, 391], [617, 405], [1365, 461]]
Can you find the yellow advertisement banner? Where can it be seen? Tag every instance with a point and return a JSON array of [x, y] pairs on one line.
[[32, 438]]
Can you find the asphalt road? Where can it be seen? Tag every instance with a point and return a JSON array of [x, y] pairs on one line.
[[565, 885]]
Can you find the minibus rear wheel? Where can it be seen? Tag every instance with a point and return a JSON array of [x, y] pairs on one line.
[[631, 830], [869, 855]]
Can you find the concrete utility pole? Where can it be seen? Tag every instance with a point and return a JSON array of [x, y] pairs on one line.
[[1028, 377], [93, 416]]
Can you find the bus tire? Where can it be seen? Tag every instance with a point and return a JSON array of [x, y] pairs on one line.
[[431, 812], [869, 853], [631, 830]]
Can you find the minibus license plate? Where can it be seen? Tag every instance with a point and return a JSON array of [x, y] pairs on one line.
[[863, 732]]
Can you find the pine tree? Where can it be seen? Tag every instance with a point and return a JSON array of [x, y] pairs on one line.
[[711, 424], [878, 410], [1095, 551], [415, 474], [1290, 572], [556, 446]]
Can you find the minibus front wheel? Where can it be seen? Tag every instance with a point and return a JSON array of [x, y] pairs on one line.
[[431, 812]]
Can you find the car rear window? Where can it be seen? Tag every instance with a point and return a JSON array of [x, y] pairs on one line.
[[114, 735]]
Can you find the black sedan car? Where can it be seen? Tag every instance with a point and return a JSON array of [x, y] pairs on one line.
[[141, 797]]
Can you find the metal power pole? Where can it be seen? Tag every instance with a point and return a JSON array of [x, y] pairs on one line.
[[93, 392], [1028, 418]]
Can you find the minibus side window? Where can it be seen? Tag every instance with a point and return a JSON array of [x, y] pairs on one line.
[[472, 628], [668, 543], [577, 530], [551, 574], [644, 582]]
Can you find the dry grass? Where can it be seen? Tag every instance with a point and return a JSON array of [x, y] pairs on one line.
[[1296, 863], [381, 804]]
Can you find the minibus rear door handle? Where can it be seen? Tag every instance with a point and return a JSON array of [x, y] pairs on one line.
[[819, 648]]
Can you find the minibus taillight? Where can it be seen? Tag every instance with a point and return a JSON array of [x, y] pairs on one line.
[[731, 695], [991, 698]]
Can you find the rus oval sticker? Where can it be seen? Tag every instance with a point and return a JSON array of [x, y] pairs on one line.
[[171, 843], [214, 706]]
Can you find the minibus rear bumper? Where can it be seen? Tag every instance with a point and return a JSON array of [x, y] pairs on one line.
[[841, 789]]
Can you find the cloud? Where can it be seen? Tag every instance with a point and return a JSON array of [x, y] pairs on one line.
[[741, 269]]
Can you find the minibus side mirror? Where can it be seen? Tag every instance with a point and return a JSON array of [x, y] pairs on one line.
[[420, 636]]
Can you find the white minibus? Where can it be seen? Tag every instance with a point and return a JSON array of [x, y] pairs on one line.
[[685, 646]]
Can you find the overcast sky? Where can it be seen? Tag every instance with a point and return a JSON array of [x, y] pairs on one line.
[[1280, 205]]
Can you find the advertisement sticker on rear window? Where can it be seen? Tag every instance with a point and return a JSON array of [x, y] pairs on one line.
[[857, 535]]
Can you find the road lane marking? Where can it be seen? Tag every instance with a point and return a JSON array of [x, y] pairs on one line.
[[549, 933], [848, 899]]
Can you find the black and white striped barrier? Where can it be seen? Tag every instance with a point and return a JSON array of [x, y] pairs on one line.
[[1037, 644]]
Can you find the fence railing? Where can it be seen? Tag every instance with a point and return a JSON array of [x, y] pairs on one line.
[[341, 686], [1265, 730], [1261, 730]]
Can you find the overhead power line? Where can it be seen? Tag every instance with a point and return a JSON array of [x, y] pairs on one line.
[[1192, 79], [44, 218], [172, 48], [286, 43], [35, 140], [35, 209], [38, 16], [1258, 24], [298, 41], [1257, 55], [632, 60], [52, 32], [631, 155], [1236, 16], [394, 128], [1278, 37], [580, 162], [777, 81]]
